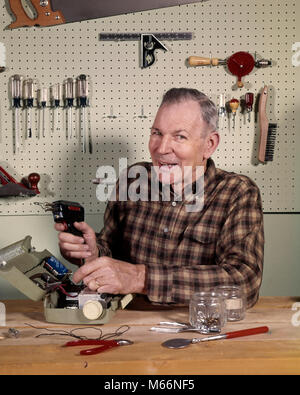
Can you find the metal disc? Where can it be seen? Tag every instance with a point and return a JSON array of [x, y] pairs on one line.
[[177, 343]]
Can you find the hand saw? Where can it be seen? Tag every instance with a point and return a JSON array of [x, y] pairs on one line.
[[55, 12]]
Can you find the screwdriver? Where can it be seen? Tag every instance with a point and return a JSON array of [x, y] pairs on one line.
[[55, 99], [28, 101], [234, 105], [16, 86], [42, 99], [249, 98], [222, 110], [69, 101], [81, 94]]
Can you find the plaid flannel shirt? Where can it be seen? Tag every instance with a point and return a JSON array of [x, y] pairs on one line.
[[187, 252]]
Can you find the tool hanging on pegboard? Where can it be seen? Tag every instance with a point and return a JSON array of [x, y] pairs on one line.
[[56, 12], [234, 105], [239, 64], [149, 43], [69, 97], [10, 187], [82, 88], [55, 94], [2, 58], [42, 98], [16, 95], [249, 101], [267, 129], [28, 98]]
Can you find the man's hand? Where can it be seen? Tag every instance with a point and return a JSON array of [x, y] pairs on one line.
[[108, 275], [76, 248]]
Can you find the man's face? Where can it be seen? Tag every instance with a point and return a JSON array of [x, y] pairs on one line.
[[178, 139]]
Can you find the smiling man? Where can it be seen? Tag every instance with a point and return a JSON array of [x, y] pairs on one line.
[[160, 248]]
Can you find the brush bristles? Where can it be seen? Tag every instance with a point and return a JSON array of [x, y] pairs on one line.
[[271, 142], [2, 56]]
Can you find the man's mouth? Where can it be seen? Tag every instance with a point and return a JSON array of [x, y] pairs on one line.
[[167, 165]]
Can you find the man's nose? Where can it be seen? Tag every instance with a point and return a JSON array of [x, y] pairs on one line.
[[165, 145]]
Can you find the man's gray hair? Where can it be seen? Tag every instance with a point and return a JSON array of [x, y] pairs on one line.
[[208, 109]]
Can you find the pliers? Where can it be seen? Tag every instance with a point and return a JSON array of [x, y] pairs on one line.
[[103, 345]]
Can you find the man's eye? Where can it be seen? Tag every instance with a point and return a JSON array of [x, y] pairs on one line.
[[155, 133], [180, 137]]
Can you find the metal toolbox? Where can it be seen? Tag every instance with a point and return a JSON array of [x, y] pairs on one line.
[[23, 267]]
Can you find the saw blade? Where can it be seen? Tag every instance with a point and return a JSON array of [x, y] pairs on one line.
[[78, 10]]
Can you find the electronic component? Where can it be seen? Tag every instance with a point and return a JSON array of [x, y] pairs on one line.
[[40, 276], [55, 267]]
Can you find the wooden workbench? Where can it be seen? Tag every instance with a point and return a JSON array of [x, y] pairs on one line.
[[277, 352]]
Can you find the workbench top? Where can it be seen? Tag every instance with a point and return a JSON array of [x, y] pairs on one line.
[[276, 352]]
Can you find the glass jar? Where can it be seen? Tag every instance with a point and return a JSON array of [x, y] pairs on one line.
[[235, 301], [207, 312]]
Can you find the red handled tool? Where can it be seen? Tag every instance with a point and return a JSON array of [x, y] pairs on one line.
[[249, 99], [240, 64], [103, 345], [182, 343], [13, 188]]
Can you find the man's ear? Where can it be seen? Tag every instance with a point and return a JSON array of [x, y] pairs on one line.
[[212, 142]]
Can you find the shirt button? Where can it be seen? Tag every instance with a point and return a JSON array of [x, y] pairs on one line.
[[166, 230], [174, 204]]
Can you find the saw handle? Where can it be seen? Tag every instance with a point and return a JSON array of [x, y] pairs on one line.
[[45, 15], [200, 61]]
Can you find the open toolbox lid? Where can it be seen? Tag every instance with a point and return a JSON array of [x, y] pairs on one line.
[[19, 262]]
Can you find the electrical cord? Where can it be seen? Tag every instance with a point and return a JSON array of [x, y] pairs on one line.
[[61, 332]]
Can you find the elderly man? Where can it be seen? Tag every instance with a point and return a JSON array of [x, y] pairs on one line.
[[160, 248]]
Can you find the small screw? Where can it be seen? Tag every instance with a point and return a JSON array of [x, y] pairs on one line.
[[13, 333]]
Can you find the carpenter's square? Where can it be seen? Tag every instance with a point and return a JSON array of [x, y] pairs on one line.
[[148, 42]]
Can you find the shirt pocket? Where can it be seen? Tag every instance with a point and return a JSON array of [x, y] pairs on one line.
[[198, 245]]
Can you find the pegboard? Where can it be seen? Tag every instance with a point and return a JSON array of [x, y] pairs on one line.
[[124, 98]]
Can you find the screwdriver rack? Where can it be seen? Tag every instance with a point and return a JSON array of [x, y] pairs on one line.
[[51, 55], [27, 95]]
